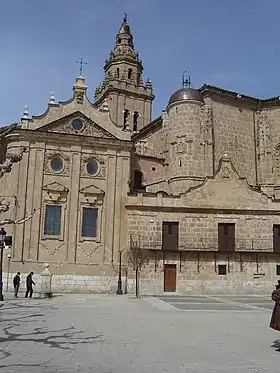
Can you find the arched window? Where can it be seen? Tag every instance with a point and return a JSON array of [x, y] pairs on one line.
[[125, 118], [138, 180], [119, 40], [135, 121], [129, 75]]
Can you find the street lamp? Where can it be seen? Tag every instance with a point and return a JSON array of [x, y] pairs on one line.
[[119, 290], [2, 244], [8, 272]]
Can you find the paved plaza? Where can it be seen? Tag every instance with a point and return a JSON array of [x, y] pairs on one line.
[[120, 334]]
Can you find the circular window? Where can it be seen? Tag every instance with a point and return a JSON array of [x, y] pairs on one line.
[[77, 124], [57, 164], [92, 167]]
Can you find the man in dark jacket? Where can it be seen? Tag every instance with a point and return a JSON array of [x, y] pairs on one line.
[[29, 285], [16, 282]]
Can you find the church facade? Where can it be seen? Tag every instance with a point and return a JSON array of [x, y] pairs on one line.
[[197, 188]]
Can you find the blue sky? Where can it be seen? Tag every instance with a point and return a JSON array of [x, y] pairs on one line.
[[232, 44]]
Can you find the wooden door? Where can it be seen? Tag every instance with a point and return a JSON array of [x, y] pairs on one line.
[[170, 277], [226, 237], [170, 235]]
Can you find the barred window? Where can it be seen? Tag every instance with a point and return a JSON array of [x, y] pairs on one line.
[[89, 223], [52, 224]]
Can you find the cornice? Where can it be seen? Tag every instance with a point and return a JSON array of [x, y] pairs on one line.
[[108, 90], [68, 139], [195, 210], [116, 60], [150, 157], [238, 99]]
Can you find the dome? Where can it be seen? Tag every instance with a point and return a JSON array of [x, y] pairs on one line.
[[185, 94]]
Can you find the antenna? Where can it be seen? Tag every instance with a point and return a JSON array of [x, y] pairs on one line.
[[186, 80]]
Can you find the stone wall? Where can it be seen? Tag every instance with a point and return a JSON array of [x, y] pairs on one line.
[[234, 134], [200, 230]]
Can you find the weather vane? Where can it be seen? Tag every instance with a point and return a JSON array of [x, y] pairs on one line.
[[81, 63], [125, 17], [186, 80]]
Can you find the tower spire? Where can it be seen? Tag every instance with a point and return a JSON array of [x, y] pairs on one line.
[[123, 77]]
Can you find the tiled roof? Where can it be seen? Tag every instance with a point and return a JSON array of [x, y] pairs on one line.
[[219, 90]]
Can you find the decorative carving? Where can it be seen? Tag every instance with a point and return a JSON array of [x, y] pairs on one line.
[[66, 159], [11, 158], [89, 253], [208, 116], [93, 195], [56, 191], [263, 131], [51, 251], [79, 95], [142, 148], [181, 144], [225, 172], [206, 123], [276, 161], [4, 206], [102, 169], [235, 143], [90, 128]]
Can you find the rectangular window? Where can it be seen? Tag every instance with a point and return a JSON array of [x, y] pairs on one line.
[[276, 238], [52, 226], [89, 222], [277, 269], [170, 235], [226, 236], [222, 269]]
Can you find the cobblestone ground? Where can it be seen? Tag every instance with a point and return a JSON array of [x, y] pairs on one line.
[[118, 334]]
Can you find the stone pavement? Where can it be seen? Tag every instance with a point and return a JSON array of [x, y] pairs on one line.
[[119, 334], [216, 303]]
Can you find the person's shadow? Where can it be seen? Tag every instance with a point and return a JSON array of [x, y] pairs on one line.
[[276, 345]]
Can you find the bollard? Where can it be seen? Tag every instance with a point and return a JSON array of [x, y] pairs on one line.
[[46, 282]]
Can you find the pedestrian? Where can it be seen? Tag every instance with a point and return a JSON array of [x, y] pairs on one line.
[[16, 282], [29, 285], [275, 318]]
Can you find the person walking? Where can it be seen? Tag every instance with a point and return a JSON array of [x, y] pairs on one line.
[[29, 285], [16, 281], [275, 318]]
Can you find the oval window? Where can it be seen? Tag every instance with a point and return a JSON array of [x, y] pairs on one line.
[[57, 164], [92, 167], [77, 124]]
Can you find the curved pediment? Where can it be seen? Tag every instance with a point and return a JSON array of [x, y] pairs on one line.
[[58, 111], [226, 189]]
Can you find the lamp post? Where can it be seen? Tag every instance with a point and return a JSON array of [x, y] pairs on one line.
[[2, 243], [8, 272], [119, 290]]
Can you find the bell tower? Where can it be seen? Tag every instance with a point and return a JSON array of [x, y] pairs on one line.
[[129, 99]]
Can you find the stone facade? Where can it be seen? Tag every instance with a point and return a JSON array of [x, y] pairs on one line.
[[211, 158]]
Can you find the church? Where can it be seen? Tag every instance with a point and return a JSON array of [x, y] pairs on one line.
[[197, 188]]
